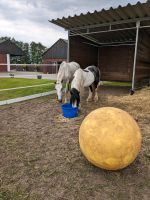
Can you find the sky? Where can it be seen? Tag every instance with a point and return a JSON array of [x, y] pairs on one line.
[[27, 20]]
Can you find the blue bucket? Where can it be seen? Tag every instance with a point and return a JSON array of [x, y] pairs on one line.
[[69, 111]]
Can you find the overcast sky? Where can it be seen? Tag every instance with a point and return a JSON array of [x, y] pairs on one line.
[[27, 20]]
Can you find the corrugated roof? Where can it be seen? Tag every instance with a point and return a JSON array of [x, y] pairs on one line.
[[136, 12], [66, 41], [107, 26], [57, 50], [8, 47]]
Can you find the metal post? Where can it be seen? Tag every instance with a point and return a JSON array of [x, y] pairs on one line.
[[68, 48], [135, 56], [8, 62]]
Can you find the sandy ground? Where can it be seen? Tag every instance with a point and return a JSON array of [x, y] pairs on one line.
[[40, 156]]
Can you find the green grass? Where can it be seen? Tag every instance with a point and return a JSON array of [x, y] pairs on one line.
[[4, 95], [6, 83], [19, 82], [114, 83]]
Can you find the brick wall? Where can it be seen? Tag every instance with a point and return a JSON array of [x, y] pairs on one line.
[[3, 59]]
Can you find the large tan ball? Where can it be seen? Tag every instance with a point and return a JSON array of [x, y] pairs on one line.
[[110, 138]]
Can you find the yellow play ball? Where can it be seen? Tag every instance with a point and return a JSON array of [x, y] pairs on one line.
[[110, 138]]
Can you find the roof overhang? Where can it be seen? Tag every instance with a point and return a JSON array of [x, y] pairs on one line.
[[109, 26]]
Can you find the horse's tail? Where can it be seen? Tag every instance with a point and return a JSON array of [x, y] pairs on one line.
[[100, 82], [99, 73]]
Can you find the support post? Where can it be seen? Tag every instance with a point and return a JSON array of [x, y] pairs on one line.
[[68, 48], [135, 57], [8, 62]]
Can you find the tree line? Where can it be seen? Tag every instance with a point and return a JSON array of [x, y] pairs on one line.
[[33, 52]]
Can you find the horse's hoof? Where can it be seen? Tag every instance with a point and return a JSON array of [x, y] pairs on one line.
[[88, 100]]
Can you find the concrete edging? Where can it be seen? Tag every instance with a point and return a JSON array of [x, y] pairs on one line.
[[20, 99]]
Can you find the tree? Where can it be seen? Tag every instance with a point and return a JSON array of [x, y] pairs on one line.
[[36, 51], [33, 52]]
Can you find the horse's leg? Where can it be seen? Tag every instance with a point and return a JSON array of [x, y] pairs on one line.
[[96, 92], [66, 90], [90, 94]]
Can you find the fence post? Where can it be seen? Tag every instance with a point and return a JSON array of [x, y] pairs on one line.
[[8, 62]]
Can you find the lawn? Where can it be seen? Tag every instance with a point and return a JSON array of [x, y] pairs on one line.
[[115, 83], [21, 82], [6, 83]]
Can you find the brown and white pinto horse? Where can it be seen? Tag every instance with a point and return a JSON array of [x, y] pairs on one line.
[[88, 77]]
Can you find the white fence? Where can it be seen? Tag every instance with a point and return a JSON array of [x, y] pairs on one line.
[[45, 68]]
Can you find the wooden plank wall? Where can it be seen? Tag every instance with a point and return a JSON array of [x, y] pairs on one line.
[[82, 52], [116, 62], [143, 56]]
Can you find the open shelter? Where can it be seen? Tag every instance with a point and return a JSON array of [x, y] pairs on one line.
[[116, 40]]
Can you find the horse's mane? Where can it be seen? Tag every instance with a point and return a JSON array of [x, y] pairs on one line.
[[85, 70], [78, 79], [62, 65]]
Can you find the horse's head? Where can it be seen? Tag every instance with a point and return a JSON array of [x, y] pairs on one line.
[[75, 97], [59, 87]]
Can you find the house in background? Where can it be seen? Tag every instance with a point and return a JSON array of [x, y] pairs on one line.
[[7, 49], [56, 54]]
